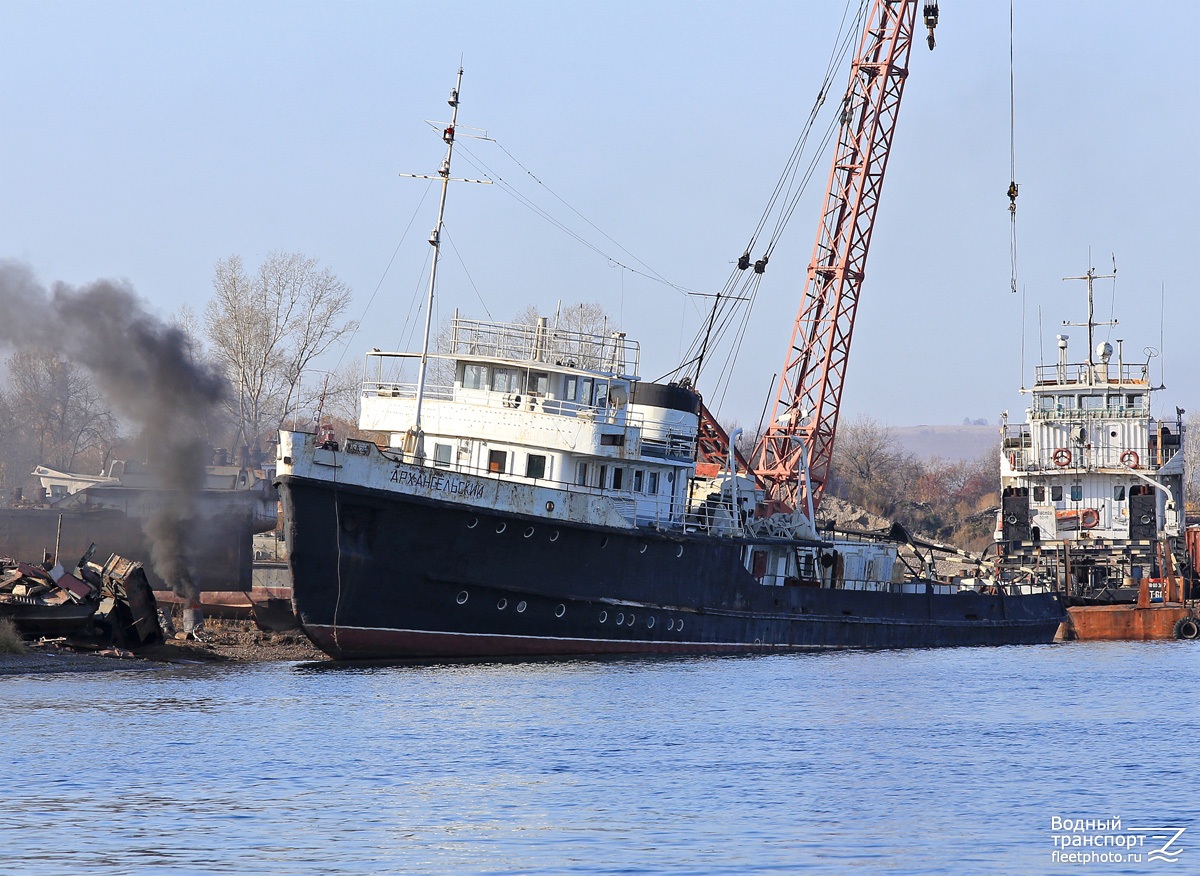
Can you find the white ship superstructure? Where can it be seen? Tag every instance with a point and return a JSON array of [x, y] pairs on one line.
[[1092, 482]]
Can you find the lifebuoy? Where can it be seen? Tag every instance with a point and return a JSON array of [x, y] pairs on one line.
[[1012, 460], [1089, 518], [1130, 458], [1062, 457], [1187, 628]]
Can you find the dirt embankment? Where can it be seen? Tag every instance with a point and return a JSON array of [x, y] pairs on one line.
[[221, 641]]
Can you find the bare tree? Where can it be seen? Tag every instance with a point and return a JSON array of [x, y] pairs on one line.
[[267, 328], [62, 414], [870, 468]]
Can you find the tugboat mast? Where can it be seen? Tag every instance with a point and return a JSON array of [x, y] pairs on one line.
[[413, 439]]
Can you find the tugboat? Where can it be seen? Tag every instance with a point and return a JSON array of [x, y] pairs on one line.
[[1092, 495], [533, 496]]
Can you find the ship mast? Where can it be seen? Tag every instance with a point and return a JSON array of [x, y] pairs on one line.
[[1091, 323], [414, 437]]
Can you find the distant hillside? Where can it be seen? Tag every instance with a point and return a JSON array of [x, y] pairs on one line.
[[964, 443]]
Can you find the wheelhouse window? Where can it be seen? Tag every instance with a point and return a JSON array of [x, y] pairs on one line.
[[581, 474], [535, 466], [1039, 493], [1045, 403], [475, 377], [638, 476], [603, 477], [570, 388], [618, 478], [1119, 493], [1076, 492], [497, 460], [441, 454], [538, 382], [1092, 402], [504, 380], [1056, 493], [1136, 400], [652, 483]]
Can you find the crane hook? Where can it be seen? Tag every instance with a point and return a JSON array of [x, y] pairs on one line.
[[931, 20]]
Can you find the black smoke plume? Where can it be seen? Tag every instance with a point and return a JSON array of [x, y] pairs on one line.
[[146, 370]]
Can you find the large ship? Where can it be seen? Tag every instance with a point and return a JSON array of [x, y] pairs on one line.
[[550, 505], [1092, 496], [530, 494]]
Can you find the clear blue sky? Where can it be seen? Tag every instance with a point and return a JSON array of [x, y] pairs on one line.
[[147, 140]]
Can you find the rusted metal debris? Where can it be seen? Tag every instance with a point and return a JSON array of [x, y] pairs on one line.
[[96, 605]]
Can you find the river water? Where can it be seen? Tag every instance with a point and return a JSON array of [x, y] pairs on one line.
[[936, 761]]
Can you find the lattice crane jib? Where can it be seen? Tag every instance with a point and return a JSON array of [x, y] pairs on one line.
[[805, 414]]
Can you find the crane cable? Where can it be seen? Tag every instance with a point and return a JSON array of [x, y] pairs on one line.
[[1012, 153]]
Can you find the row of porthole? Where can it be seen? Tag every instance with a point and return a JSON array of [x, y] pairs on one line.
[[621, 619], [502, 526]]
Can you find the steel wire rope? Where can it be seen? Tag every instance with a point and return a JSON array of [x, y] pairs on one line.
[[480, 165], [383, 276], [1012, 152], [787, 189]]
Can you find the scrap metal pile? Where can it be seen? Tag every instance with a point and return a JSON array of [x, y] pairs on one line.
[[101, 604]]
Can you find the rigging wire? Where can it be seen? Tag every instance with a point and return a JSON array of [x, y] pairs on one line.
[[1012, 152], [479, 164], [379, 285]]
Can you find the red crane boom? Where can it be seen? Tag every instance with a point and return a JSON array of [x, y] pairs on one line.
[[805, 414]]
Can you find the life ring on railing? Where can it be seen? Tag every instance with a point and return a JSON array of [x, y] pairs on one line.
[[1130, 458], [1062, 457], [1012, 460], [1089, 518]]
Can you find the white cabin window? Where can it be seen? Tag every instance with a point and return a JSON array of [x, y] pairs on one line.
[[1092, 402], [1045, 402], [1076, 492], [570, 387], [652, 484], [585, 391], [1056, 493], [618, 478], [504, 380], [497, 460], [1039, 494], [535, 466], [638, 476], [475, 377], [1119, 493], [581, 474], [1114, 402], [603, 477], [538, 382], [1066, 402], [1135, 401], [441, 454]]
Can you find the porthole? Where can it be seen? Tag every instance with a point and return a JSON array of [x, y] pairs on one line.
[[500, 527], [631, 618], [603, 616], [679, 553], [554, 536], [670, 623], [757, 643], [529, 532], [549, 506], [604, 542], [620, 618], [462, 598], [649, 623], [472, 523], [679, 626], [560, 611], [642, 549], [502, 604], [521, 606]]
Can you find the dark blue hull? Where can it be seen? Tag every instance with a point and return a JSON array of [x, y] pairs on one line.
[[381, 575]]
